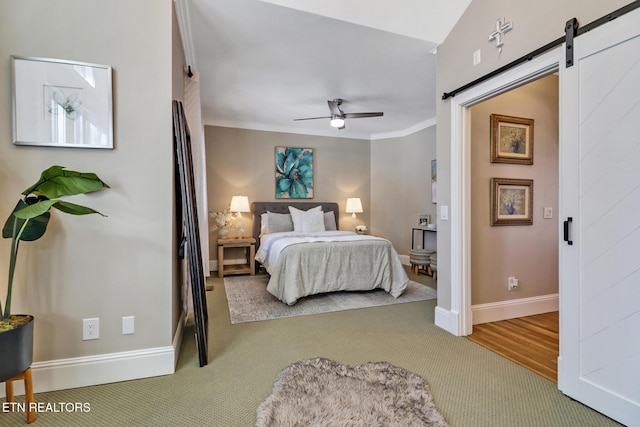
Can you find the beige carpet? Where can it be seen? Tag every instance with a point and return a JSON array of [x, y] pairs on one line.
[[249, 300]]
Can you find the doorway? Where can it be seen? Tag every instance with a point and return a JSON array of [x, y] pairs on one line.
[[461, 322], [514, 137]]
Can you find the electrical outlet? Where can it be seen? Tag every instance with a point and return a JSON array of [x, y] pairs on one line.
[[512, 283], [90, 329]]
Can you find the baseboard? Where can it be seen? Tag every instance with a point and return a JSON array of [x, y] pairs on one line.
[[104, 368], [404, 259], [447, 320], [503, 310]]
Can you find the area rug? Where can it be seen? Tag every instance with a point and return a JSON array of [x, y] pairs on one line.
[[320, 392], [249, 300]]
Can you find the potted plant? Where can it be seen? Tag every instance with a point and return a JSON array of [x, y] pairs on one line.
[[28, 222]]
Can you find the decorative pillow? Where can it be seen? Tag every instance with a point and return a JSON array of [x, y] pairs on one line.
[[330, 221], [307, 221], [264, 224], [279, 222]]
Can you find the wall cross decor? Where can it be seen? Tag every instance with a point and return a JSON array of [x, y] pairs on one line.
[[501, 28]]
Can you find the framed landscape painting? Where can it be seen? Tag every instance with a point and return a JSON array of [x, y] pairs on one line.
[[511, 140], [511, 201], [294, 173]]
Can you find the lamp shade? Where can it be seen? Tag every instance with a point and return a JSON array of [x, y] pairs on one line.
[[239, 204], [354, 205]]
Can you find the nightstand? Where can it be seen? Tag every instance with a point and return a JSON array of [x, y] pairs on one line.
[[238, 242]]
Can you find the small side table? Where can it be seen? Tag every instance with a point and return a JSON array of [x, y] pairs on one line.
[[238, 242]]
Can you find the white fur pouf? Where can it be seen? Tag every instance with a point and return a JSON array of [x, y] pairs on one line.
[[320, 392]]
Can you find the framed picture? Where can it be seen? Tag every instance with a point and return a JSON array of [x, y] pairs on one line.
[[423, 220], [511, 201], [511, 140], [294, 173], [60, 103]]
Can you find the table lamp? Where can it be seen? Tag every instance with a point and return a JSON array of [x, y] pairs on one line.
[[354, 205], [238, 205]]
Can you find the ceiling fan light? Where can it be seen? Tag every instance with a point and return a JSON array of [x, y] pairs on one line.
[[337, 121]]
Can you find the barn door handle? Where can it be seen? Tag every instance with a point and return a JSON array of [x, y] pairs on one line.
[[567, 231]]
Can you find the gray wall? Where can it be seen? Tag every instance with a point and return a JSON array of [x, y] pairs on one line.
[[122, 265], [401, 185], [529, 253], [535, 24], [242, 161]]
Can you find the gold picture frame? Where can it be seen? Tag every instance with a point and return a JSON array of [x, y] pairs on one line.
[[511, 201], [511, 140]]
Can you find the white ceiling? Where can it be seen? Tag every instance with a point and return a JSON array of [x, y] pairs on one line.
[[264, 63]]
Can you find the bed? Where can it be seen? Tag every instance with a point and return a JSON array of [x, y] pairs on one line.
[[305, 258]]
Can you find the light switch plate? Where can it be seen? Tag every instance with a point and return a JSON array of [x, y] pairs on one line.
[[128, 325], [548, 212], [444, 213], [476, 57]]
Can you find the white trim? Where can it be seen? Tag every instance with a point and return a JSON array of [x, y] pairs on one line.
[[107, 368], [460, 211], [406, 132], [331, 132], [511, 309], [404, 259], [446, 320], [184, 24]]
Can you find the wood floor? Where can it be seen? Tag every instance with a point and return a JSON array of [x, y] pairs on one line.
[[531, 341]]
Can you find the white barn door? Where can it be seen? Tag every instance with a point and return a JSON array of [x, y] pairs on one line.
[[599, 363]]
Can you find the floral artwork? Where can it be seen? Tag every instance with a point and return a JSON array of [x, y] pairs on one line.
[[511, 201], [511, 140], [63, 101], [294, 173]]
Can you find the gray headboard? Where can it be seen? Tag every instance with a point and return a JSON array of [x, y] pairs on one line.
[[258, 208]]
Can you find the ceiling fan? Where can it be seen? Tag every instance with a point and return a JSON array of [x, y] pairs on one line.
[[338, 116]]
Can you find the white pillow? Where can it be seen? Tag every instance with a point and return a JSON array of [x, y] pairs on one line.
[[264, 224], [307, 221]]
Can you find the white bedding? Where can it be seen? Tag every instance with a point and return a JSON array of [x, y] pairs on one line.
[[302, 264]]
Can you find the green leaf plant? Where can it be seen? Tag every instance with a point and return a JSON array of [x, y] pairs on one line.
[[30, 217]]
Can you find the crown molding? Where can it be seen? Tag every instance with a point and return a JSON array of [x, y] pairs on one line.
[[329, 132], [184, 24], [406, 132]]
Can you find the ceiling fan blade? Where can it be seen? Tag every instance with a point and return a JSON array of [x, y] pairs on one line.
[[334, 107], [361, 115], [312, 118]]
